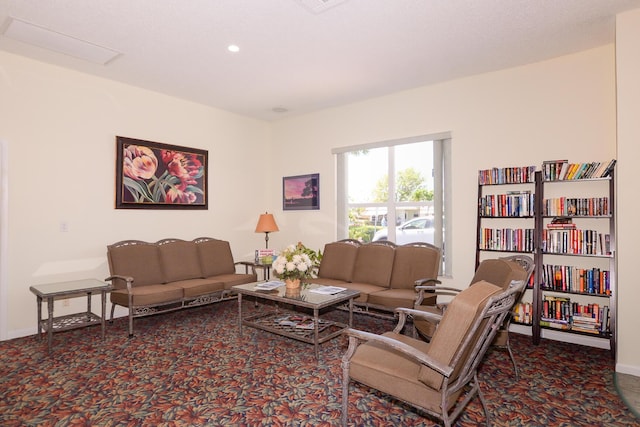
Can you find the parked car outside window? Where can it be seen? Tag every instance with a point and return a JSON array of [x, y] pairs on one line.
[[415, 230]]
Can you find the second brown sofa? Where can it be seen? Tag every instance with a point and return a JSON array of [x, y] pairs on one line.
[[385, 274]]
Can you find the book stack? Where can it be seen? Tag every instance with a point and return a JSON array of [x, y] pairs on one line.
[[561, 170], [586, 324], [561, 223]]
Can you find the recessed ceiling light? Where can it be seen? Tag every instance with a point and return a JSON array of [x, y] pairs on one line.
[[279, 110], [233, 48], [52, 40]]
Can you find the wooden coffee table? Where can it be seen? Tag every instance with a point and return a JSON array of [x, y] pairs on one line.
[[294, 323]]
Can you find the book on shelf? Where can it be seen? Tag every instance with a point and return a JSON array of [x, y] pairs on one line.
[[507, 175], [562, 170]]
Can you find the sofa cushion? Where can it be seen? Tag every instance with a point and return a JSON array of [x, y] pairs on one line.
[[180, 261], [197, 287], [230, 280], [139, 260], [338, 260], [373, 264], [412, 263], [147, 295], [215, 257], [394, 298], [365, 290]]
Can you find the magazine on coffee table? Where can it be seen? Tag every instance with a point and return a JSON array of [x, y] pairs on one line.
[[267, 286], [328, 290]]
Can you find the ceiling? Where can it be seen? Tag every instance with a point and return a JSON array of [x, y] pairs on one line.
[[306, 55]]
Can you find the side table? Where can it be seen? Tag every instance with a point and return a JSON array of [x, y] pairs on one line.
[[52, 291], [266, 268]]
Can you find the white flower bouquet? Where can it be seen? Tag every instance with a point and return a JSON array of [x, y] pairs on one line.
[[296, 262]]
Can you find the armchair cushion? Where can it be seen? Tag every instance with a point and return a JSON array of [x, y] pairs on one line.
[[500, 272], [448, 337]]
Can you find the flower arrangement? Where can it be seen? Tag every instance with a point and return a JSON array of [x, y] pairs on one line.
[[296, 262]]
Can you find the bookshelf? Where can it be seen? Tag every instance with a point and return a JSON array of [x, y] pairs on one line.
[[506, 224], [563, 216], [575, 258]]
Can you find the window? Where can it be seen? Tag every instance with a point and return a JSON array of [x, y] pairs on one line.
[[395, 190]]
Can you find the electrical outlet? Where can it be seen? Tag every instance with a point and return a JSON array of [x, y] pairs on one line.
[[65, 302], [64, 226]]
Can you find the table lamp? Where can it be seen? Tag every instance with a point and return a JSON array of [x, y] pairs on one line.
[[266, 224]]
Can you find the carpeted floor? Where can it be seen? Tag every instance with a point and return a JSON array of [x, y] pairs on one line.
[[190, 368]]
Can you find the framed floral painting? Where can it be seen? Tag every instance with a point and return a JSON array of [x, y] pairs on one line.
[[301, 192], [151, 175]]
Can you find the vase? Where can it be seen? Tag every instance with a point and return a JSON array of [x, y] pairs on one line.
[[293, 293], [292, 283]]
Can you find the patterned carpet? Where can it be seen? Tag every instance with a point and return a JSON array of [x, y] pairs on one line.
[[189, 368]]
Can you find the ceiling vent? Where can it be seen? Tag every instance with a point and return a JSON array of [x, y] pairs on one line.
[[319, 6], [42, 37]]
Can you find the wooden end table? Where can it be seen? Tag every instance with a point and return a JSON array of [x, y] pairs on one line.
[[77, 288]]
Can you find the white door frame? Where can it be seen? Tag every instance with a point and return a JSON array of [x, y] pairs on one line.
[[4, 229]]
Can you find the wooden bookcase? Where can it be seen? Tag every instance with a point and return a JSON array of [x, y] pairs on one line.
[[573, 246]]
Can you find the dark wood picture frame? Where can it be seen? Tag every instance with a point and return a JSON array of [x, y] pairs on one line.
[[301, 192], [153, 175]]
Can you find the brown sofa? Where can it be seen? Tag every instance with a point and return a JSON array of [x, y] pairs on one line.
[[171, 274], [385, 274]]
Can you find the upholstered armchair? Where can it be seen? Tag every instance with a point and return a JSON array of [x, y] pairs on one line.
[[437, 377], [501, 272]]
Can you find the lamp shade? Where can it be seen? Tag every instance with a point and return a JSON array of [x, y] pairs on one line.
[[266, 224]]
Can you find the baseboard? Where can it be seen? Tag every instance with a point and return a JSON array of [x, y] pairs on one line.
[[576, 339], [562, 336], [628, 369]]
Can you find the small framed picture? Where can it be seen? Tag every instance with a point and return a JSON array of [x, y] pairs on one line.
[[301, 192]]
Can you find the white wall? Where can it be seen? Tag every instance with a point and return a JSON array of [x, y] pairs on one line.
[[60, 128], [628, 70], [562, 108]]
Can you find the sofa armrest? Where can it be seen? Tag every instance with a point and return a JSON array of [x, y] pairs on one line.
[[421, 288], [127, 279]]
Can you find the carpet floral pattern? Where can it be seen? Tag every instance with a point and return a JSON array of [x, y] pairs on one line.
[[190, 368]]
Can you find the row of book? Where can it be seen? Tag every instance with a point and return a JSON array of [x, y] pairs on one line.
[[507, 239], [577, 242], [509, 175], [568, 278], [561, 170], [561, 313], [512, 204], [576, 206], [523, 313]]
